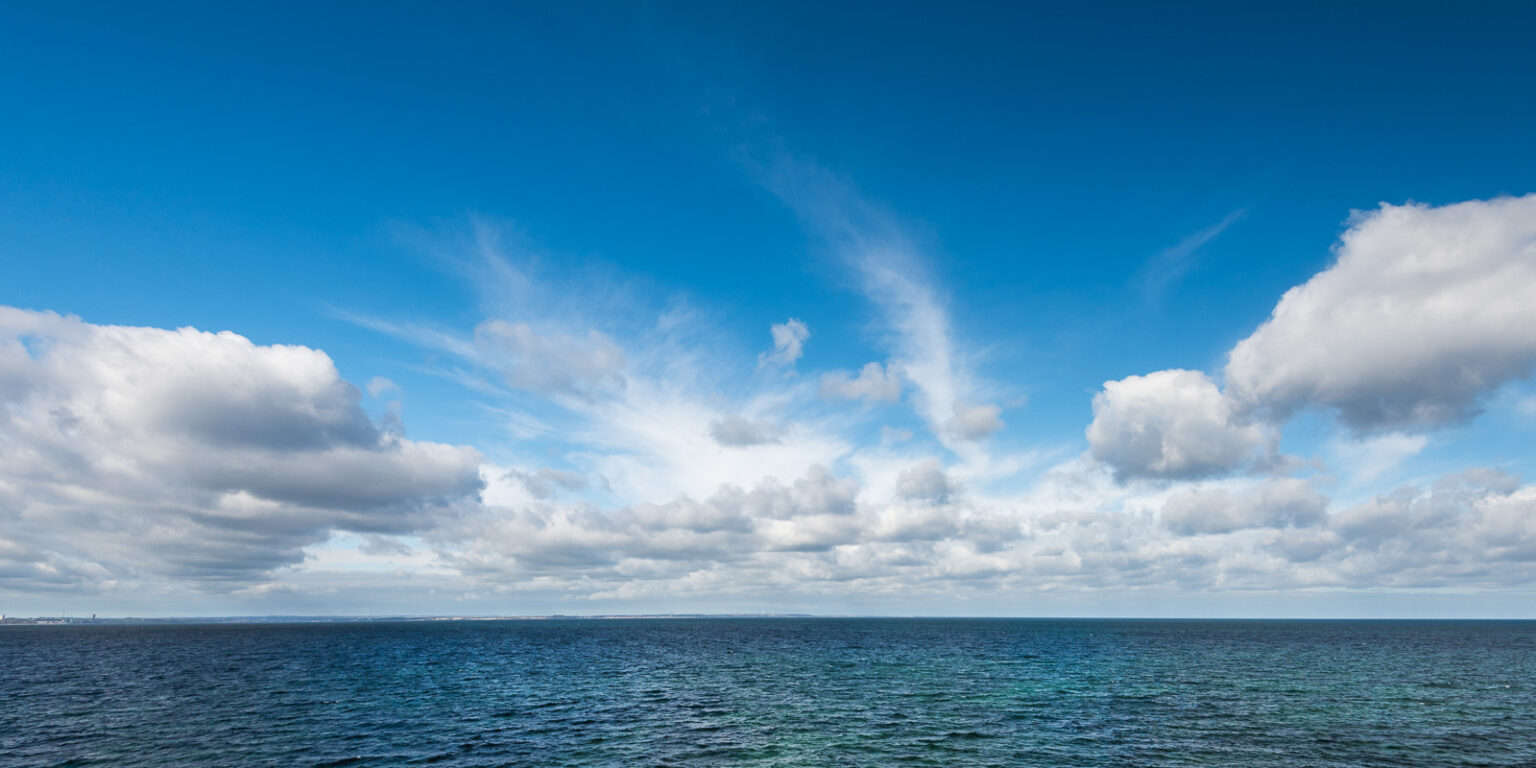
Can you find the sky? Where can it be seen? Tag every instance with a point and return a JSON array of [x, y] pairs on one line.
[[592, 308]]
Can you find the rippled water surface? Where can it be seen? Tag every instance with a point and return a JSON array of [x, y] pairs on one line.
[[772, 692]]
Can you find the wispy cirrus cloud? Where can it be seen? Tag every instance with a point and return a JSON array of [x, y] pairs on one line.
[[1171, 265], [889, 270]]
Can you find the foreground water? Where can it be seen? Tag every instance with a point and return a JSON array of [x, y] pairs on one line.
[[772, 692]]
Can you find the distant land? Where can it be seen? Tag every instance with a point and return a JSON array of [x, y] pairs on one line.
[[41, 621], [73, 620]]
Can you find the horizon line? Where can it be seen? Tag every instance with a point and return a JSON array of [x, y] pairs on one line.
[[280, 618]]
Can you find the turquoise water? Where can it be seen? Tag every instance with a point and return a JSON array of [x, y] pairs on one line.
[[772, 692]]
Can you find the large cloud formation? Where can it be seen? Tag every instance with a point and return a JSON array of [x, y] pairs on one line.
[[137, 457], [1425, 312], [828, 535], [129, 452]]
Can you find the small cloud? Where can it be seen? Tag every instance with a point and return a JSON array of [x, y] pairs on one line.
[[925, 482], [552, 362], [788, 343], [875, 383], [974, 422], [547, 483], [1172, 424], [379, 385], [738, 431], [383, 546]]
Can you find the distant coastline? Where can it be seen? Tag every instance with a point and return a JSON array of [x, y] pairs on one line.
[[151, 620], [54, 621]]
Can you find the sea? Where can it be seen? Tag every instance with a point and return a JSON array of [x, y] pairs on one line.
[[772, 692]]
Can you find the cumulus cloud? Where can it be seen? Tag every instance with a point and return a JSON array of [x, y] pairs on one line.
[[1409, 509], [925, 481], [1080, 532], [788, 343], [812, 531], [1274, 503], [546, 483], [736, 431], [730, 525], [1424, 312], [551, 362], [874, 383], [129, 452], [974, 422], [1472, 527], [1169, 424]]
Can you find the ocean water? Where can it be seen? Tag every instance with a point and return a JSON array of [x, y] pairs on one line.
[[772, 692]]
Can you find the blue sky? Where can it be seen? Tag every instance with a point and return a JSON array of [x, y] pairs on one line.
[[586, 297]]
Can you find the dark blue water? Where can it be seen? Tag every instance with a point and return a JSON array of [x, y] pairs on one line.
[[772, 692]]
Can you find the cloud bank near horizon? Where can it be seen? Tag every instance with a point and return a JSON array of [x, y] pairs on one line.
[[152, 461]]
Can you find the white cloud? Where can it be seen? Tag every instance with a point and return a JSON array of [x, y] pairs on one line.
[[973, 422], [682, 535], [1425, 311], [874, 384], [1170, 424], [649, 398], [658, 440], [1273, 503], [735, 431], [1476, 527], [788, 343], [1422, 315], [925, 481], [130, 453], [378, 386], [925, 350], [894, 277], [547, 482], [552, 362]]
